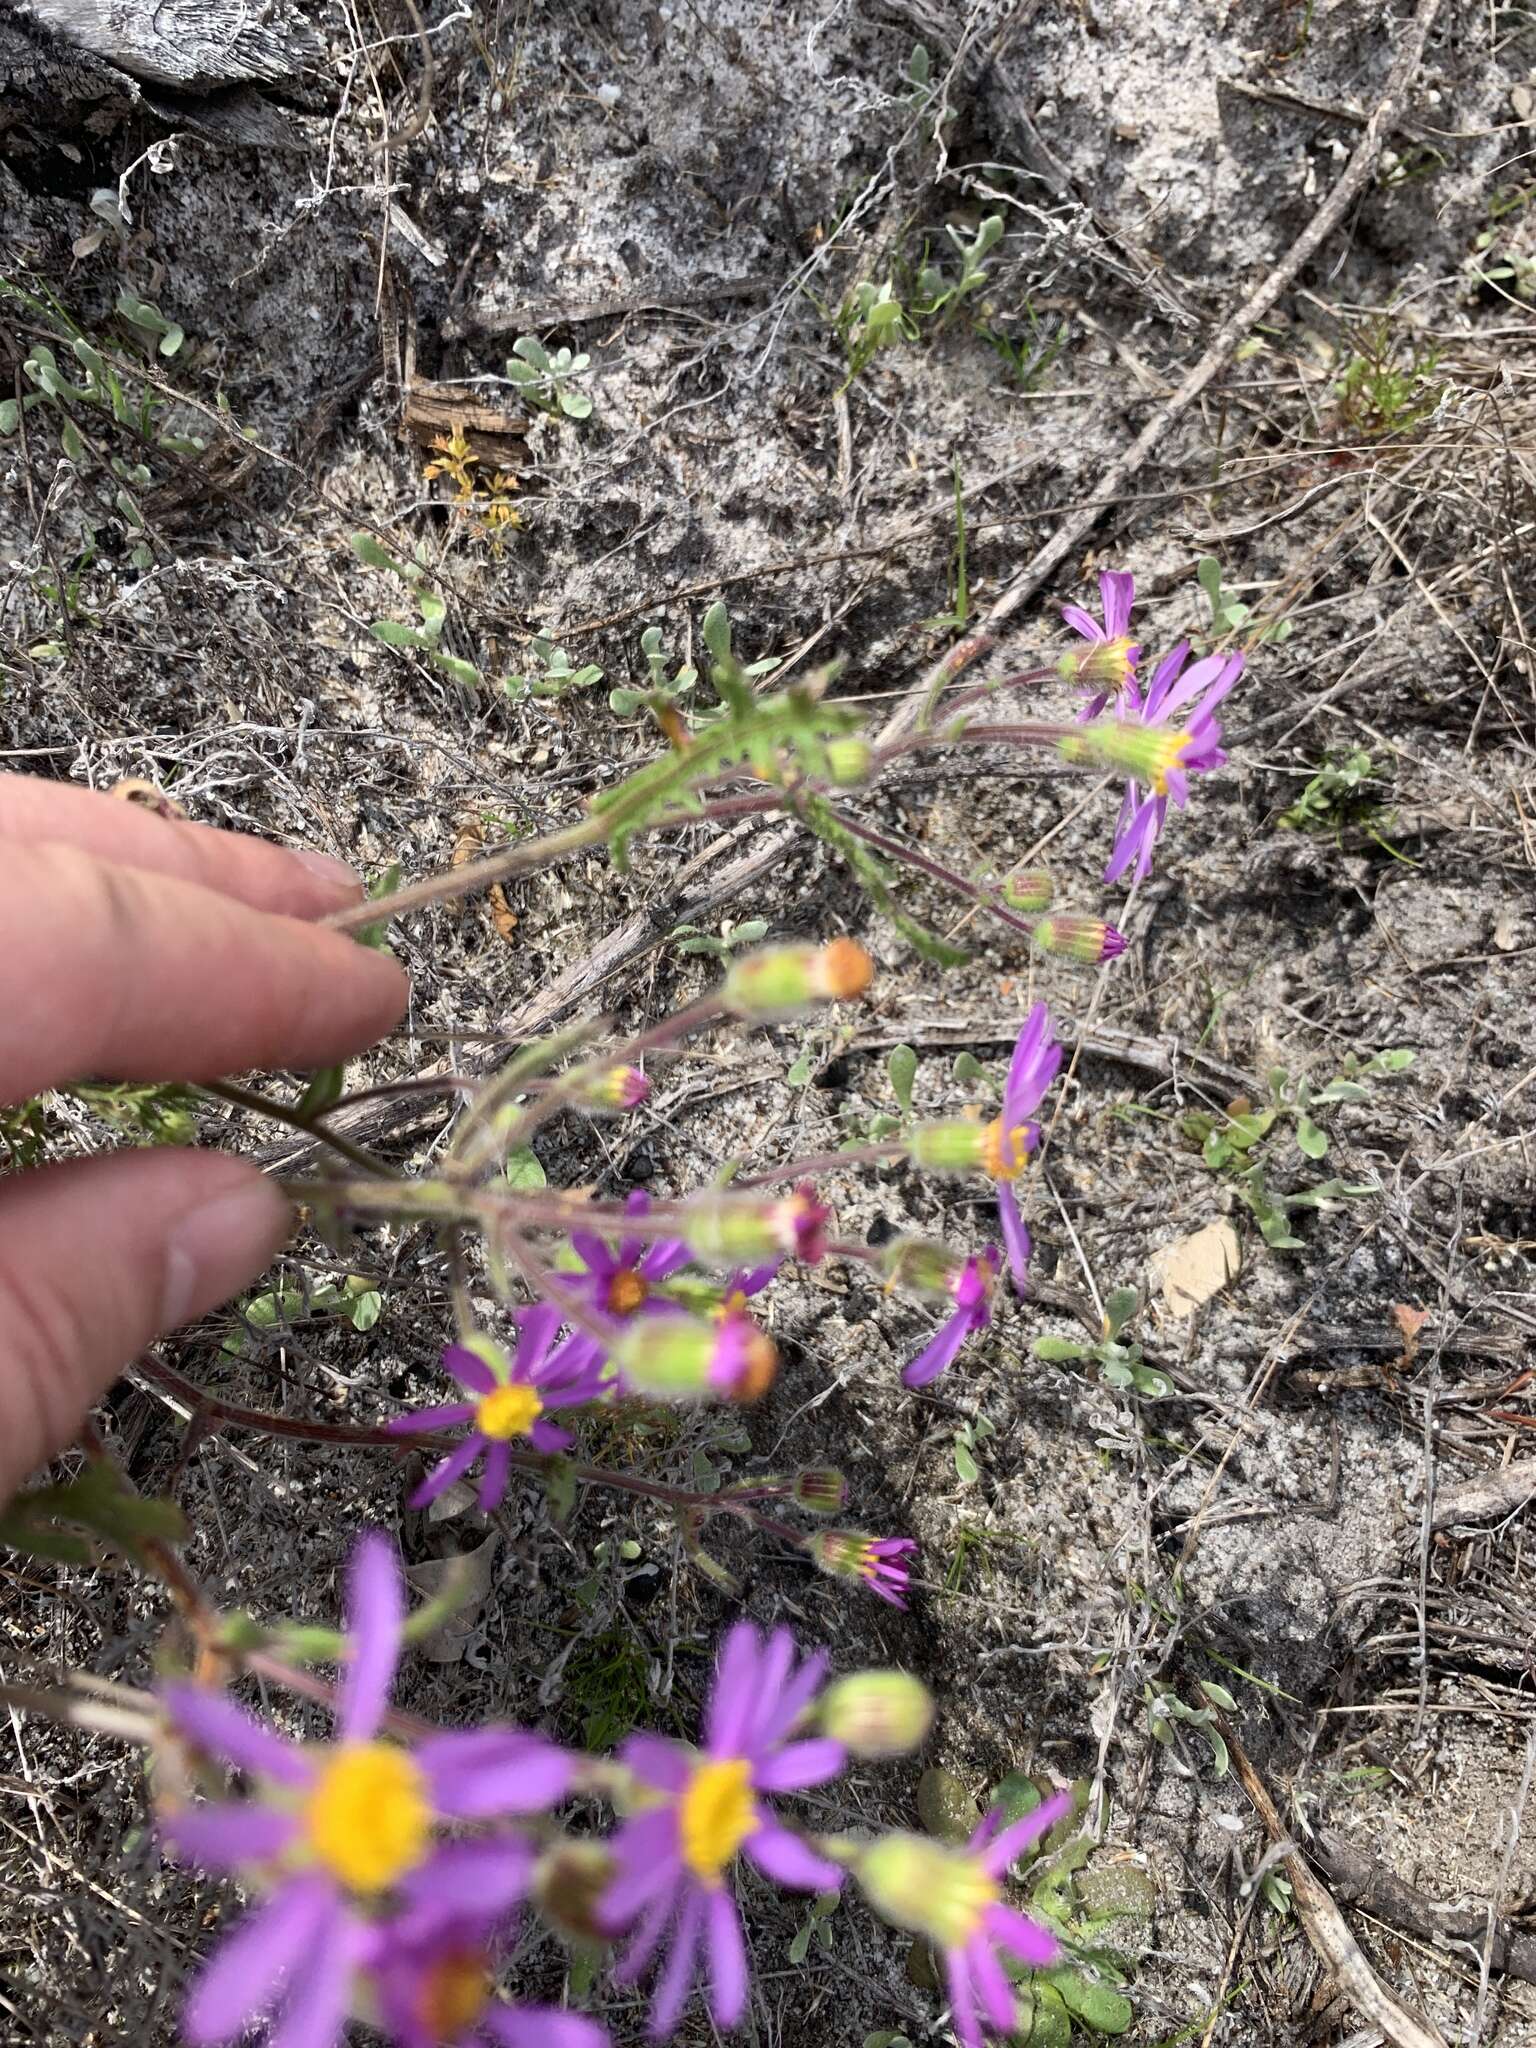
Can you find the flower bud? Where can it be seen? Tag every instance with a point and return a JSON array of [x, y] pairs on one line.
[[877, 1561], [681, 1358], [958, 1146], [736, 1231], [568, 1884], [1029, 888], [613, 1088], [849, 761], [1146, 753], [921, 1265], [781, 980], [926, 1888], [1087, 939], [1101, 665], [819, 1489], [877, 1713]]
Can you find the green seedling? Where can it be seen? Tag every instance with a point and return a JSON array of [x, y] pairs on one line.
[[969, 1437], [1344, 795], [1167, 1713], [547, 381], [1118, 1364], [691, 938], [1228, 616], [816, 1926], [550, 673], [1389, 384]]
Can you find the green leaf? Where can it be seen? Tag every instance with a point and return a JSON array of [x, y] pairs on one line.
[[1119, 1307], [522, 1172], [559, 1490], [1017, 1794], [463, 672], [1097, 2006], [373, 556], [1058, 1350], [799, 1948], [10, 416], [393, 634], [575, 405], [965, 1464], [1313, 1142], [624, 703], [944, 1807], [1218, 1695], [363, 1310], [800, 1073], [968, 1070], [901, 1069]]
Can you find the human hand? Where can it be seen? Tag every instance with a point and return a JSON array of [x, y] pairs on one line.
[[138, 948]]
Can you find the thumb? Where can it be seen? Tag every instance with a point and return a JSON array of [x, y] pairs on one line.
[[97, 1258]]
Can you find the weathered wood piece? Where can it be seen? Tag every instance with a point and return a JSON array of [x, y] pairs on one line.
[[193, 45]]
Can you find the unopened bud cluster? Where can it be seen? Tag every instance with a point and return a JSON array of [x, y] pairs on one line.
[[918, 1263], [1029, 889], [735, 1231], [1147, 753], [611, 1088], [876, 1713]]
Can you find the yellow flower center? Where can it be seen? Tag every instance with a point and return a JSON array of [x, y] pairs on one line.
[[1003, 1153], [454, 1993], [627, 1291], [715, 1816], [508, 1411], [960, 1901], [733, 1304], [369, 1818]]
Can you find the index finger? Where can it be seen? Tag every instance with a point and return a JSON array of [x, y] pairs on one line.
[[267, 877], [108, 971]]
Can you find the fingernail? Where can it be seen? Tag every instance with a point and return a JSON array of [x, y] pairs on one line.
[[213, 1250], [336, 873]]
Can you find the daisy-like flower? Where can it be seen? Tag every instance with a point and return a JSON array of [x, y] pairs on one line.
[[432, 1985], [342, 1837], [509, 1404], [1171, 756], [1108, 667], [971, 1290], [850, 1554], [954, 1897], [675, 1856], [1012, 1136], [620, 1282]]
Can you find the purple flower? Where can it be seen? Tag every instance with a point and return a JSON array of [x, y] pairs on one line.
[[972, 1292], [432, 1984], [509, 1404], [1194, 751], [1011, 1137], [675, 1855], [343, 1835], [954, 1898], [620, 1284], [1109, 667], [850, 1554]]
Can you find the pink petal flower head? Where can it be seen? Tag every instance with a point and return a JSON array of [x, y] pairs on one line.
[[1108, 667], [514, 1402], [972, 1291], [1159, 757], [954, 1898], [434, 1988], [850, 1554], [675, 1856], [339, 1834]]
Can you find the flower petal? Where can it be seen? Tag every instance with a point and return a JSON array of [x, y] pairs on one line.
[[469, 1368], [940, 1352], [667, 1256], [632, 1964], [1082, 622], [475, 1773], [800, 1765], [214, 1722], [677, 1977], [1010, 1845], [444, 1473], [541, 2026], [549, 1438], [375, 1611], [494, 1475], [322, 1990], [228, 1837], [479, 1879], [241, 1979], [666, 1765], [794, 1698], [1027, 1939], [1117, 593], [992, 1986], [735, 1692], [536, 1332], [594, 1254], [448, 1416], [727, 1960], [650, 1867], [962, 1999], [773, 1671], [1015, 1237], [788, 1860]]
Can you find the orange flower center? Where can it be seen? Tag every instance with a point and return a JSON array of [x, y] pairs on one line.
[[627, 1291], [1003, 1153]]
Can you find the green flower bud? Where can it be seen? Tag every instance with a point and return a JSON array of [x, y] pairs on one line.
[[921, 1265], [877, 1713], [959, 1146], [1029, 889], [682, 1358], [1086, 939], [819, 1489], [781, 980], [849, 761], [1147, 753], [926, 1888]]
